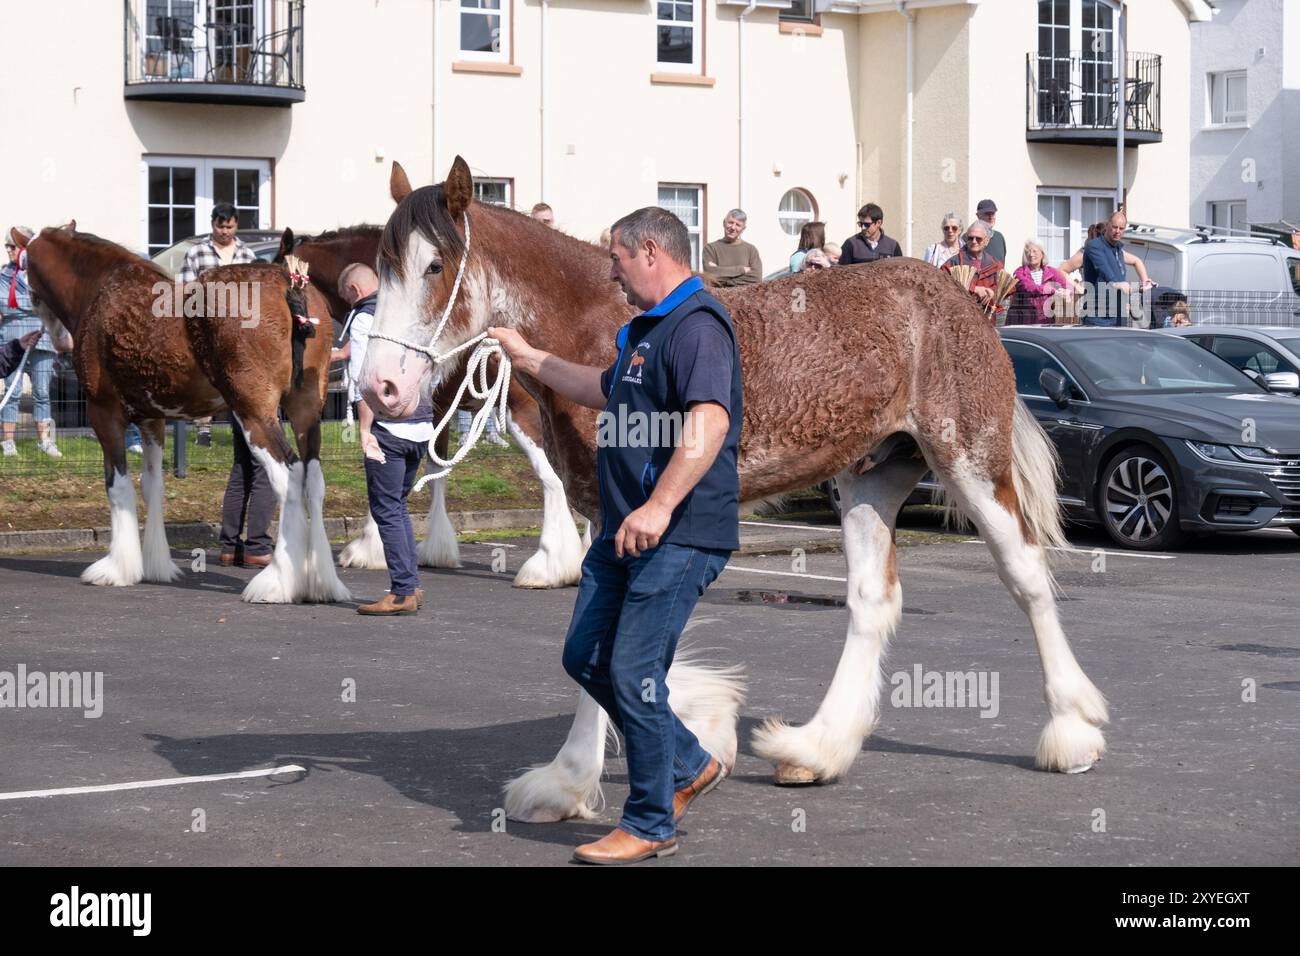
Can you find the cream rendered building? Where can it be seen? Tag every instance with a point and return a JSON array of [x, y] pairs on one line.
[[295, 108]]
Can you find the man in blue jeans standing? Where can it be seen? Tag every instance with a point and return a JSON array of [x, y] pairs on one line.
[[1104, 274], [669, 516]]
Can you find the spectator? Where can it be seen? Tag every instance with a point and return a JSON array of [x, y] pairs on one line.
[[543, 214], [811, 236], [1104, 274], [974, 253], [814, 260], [17, 320], [1036, 284], [871, 243], [987, 213], [1075, 262], [937, 253], [833, 252], [222, 247], [1169, 308], [731, 261]]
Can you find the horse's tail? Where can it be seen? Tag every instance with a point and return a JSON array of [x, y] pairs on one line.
[[1035, 472], [300, 321]]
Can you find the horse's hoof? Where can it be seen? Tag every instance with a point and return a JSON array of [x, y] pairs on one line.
[[1083, 767], [788, 775]]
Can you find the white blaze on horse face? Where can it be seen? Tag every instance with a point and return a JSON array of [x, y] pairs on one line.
[[392, 376]]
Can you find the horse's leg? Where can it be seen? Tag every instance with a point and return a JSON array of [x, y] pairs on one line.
[[1072, 740], [826, 746], [158, 563], [558, 561], [281, 581], [586, 535], [320, 581], [568, 786], [366, 550], [123, 565], [439, 549]]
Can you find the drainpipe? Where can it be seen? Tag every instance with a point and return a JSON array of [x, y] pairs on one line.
[[907, 164], [1121, 105], [433, 133], [545, 144], [740, 105]]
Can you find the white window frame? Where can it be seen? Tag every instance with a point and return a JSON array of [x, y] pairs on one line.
[[1077, 234], [504, 14], [802, 219], [697, 34], [1216, 96], [203, 201], [1228, 205], [698, 229], [496, 181], [1076, 45]]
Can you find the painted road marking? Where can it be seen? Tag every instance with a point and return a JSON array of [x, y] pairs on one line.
[[147, 784]]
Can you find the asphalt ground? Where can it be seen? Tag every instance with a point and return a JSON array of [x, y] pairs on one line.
[[450, 703]]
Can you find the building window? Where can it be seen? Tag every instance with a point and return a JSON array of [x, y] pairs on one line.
[[485, 30], [495, 192], [1076, 62], [169, 39], [1064, 216], [797, 209], [1228, 216], [180, 192], [800, 10], [1228, 98], [677, 31], [686, 202]]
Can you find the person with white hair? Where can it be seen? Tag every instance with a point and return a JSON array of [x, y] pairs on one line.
[[1036, 285], [732, 261], [937, 253], [974, 253]]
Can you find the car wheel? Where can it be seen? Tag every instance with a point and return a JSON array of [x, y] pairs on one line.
[[832, 492], [1138, 500]]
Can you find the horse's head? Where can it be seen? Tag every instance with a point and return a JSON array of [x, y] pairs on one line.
[[423, 262], [52, 278]]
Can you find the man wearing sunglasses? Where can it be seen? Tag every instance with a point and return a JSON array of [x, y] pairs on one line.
[[871, 243]]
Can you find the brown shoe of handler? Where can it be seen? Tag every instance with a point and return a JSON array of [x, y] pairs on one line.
[[710, 777], [621, 847], [256, 560], [390, 606]]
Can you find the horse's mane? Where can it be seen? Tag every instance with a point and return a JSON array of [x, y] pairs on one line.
[[114, 251], [423, 211], [363, 230]]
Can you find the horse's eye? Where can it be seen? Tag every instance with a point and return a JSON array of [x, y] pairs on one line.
[[434, 269]]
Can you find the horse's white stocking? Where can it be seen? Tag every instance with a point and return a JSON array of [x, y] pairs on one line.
[[1072, 740], [826, 746], [439, 549], [123, 565], [158, 563], [558, 561], [366, 551], [321, 580], [707, 700], [568, 786], [280, 582], [586, 535]]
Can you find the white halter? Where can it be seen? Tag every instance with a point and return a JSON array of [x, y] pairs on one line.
[[494, 397]]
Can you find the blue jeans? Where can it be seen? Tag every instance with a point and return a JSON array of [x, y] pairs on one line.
[[40, 368], [628, 617], [387, 486]]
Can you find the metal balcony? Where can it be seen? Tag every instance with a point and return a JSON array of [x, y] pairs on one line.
[[243, 52], [1075, 100]]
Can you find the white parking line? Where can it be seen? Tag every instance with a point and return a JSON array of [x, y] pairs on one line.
[[786, 574], [147, 784], [793, 527], [1113, 554], [499, 544]]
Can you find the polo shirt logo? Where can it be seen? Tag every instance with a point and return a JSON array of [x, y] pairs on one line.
[[636, 364]]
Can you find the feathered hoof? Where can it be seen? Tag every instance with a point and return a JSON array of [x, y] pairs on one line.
[[545, 795], [541, 571], [365, 553], [1069, 744], [108, 572], [789, 775], [164, 573], [268, 587]]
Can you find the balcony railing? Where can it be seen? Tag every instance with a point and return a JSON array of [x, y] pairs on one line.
[[1076, 98], [214, 51]]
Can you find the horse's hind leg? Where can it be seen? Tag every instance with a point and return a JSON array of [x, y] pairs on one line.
[[826, 746], [1072, 741], [320, 581], [158, 563], [281, 581], [558, 561], [568, 786], [123, 565], [439, 549]]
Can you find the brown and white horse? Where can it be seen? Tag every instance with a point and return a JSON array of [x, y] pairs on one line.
[[150, 350], [869, 375], [558, 560]]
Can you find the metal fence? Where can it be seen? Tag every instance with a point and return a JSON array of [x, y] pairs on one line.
[[1163, 306]]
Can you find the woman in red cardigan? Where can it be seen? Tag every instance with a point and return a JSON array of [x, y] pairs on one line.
[[1036, 284]]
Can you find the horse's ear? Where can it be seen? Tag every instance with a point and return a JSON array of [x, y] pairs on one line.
[[399, 187], [286, 245], [71, 226], [458, 190]]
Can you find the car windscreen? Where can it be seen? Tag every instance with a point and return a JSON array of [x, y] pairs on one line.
[[1135, 365]]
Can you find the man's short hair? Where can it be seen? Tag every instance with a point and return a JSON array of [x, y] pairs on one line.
[[979, 224], [356, 273], [540, 207], [653, 222], [1118, 212], [223, 211], [736, 214], [871, 211]]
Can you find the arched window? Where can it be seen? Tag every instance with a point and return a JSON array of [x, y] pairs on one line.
[[798, 208]]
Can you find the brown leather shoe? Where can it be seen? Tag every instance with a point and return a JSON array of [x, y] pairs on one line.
[[231, 559], [257, 560], [389, 606], [710, 777], [622, 847]]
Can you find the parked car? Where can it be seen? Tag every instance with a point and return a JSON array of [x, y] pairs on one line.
[[1272, 354], [1158, 438], [263, 242]]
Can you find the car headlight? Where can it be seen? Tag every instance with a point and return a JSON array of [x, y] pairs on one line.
[[1213, 452], [1258, 455]]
